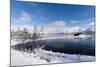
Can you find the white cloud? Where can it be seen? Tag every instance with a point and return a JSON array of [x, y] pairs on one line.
[[55, 27], [74, 29], [91, 26], [60, 26], [24, 18], [59, 23], [73, 22], [40, 14]]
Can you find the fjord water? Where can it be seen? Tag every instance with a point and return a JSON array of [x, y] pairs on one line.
[[71, 46]]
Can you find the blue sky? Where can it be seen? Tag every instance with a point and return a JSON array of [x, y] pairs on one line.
[[33, 13]]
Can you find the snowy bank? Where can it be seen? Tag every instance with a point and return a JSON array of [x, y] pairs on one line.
[[45, 57]]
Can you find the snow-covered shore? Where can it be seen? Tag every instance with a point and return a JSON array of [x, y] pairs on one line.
[[42, 56], [45, 57]]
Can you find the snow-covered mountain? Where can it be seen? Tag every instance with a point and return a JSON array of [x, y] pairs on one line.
[[56, 31], [57, 27]]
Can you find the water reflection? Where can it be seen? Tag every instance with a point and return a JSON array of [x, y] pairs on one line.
[[72, 46]]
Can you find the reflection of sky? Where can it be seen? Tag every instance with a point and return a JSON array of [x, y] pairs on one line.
[[43, 13], [80, 46]]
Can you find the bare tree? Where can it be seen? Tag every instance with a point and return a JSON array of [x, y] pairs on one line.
[[37, 42]]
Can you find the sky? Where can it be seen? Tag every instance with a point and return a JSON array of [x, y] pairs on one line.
[[52, 15]]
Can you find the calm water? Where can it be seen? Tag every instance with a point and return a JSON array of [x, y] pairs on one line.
[[71, 46]]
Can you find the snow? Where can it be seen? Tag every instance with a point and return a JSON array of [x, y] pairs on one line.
[[45, 57], [42, 56], [56, 27], [20, 58], [83, 36], [14, 41]]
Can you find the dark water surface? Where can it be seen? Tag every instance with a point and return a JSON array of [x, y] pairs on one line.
[[71, 46]]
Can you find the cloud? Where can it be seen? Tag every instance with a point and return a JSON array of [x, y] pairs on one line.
[[59, 23], [91, 26], [55, 27], [24, 18], [61, 27], [33, 4], [40, 14], [39, 11], [73, 22], [73, 29]]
